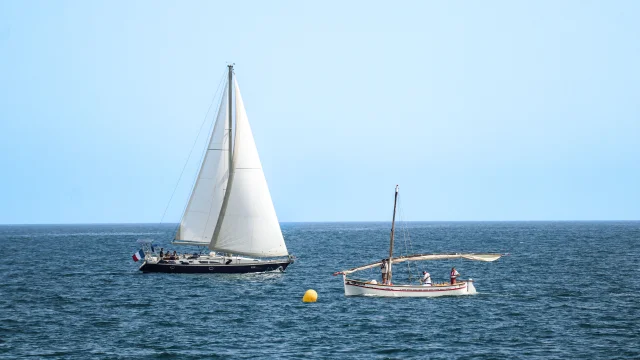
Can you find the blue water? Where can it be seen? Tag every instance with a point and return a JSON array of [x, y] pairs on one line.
[[567, 290]]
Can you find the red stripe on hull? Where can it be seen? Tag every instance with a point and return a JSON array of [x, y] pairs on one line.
[[409, 290]]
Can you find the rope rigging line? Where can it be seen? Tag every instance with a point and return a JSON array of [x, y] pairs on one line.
[[405, 236], [216, 95]]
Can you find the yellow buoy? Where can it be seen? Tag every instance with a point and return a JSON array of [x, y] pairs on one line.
[[310, 296]]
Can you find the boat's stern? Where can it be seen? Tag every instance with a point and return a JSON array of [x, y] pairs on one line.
[[471, 290], [148, 260]]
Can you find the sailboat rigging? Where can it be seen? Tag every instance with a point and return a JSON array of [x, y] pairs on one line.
[[360, 287], [230, 210]]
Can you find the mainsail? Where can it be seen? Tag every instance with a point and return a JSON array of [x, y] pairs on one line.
[[201, 215], [248, 223]]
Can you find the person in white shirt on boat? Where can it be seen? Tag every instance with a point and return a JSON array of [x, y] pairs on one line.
[[454, 275], [385, 271], [426, 279]]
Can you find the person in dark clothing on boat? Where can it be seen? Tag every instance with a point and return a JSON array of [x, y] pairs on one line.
[[161, 253], [385, 271]]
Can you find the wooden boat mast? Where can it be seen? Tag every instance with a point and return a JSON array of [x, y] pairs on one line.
[[393, 227]]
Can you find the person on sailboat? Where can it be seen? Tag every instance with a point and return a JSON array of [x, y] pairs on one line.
[[426, 279], [454, 274], [385, 270]]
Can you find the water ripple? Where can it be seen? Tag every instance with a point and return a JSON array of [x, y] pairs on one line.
[[72, 292]]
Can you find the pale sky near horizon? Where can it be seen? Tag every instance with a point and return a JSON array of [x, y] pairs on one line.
[[497, 110]]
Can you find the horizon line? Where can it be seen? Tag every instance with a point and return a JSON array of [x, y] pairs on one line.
[[330, 222]]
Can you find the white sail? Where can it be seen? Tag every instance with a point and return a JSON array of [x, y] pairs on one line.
[[201, 215], [249, 225]]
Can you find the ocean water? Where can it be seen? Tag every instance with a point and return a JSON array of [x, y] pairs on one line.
[[566, 290]]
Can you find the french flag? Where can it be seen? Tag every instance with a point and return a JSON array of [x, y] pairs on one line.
[[139, 255]]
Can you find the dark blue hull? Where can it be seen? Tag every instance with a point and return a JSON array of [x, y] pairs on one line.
[[213, 269]]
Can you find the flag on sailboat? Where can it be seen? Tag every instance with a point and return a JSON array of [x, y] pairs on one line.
[[138, 255]]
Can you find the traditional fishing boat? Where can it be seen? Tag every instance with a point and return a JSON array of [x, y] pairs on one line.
[[363, 287], [230, 210]]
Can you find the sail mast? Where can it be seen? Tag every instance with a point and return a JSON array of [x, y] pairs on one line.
[[230, 117], [393, 226], [225, 200]]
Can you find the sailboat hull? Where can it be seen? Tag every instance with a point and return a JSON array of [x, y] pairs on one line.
[[214, 269], [364, 288]]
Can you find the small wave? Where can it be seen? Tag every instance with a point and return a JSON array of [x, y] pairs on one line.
[[87, 234]]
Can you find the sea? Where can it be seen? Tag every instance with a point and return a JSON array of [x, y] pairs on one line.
[[564, 290]]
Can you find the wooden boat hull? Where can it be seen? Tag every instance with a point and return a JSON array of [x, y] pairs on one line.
[[214, 268], [364, 288]]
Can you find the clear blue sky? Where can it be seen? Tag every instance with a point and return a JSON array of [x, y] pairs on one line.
[[498, 110]]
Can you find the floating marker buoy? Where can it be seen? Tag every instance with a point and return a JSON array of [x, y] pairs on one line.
[[310, 296]]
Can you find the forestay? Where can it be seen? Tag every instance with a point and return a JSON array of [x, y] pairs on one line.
[[422, 257], [249, 224], [201, 214]]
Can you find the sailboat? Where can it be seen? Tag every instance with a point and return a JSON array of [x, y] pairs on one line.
[[363, 287], [230, 210]]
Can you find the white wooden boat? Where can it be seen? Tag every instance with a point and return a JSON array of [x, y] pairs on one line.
[[362, 287]]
